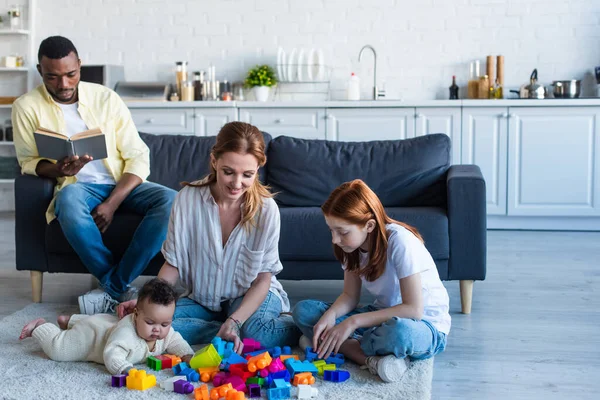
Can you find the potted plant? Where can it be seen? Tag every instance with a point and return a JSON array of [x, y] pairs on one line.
[[260, 79]]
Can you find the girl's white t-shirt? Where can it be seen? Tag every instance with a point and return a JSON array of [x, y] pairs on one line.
[[406, 256]]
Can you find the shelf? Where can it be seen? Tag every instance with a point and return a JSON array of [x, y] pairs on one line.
[[17, 69], [7, 181], [4, 143], [14, 32]]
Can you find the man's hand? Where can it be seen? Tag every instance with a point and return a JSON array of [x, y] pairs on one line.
[[70, 166], [103, 216]]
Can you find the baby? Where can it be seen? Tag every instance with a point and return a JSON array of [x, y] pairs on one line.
[[103, 339]]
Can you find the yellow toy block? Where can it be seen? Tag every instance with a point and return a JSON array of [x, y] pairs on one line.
[[206, 357], [201, 393], [260, 361], [284, 357], [327, 367], [220, 391], [207, 373], [303, 378], [138, 380]]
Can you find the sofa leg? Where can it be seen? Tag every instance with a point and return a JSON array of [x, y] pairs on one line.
[[466, 296], [36, 285]]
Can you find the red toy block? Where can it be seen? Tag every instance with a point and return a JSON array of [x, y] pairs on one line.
[[166, 361], [241, 370]]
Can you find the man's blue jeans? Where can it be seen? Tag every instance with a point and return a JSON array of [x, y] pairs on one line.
[[401, 337], [74, 204]]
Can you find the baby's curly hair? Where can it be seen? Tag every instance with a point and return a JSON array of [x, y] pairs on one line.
[[157, 291]]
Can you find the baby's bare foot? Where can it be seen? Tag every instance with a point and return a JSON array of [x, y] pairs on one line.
[[63, 321], [28, 329]]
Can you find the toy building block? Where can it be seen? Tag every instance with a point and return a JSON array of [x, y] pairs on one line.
[[319, 364], [190, 374], [253, 390], [154, 363], [337, 359], [169, 384], [237, 383], [339, 375], [283, 374], [179, 367], [296, 367], [260, 361], [255, 380], [306, 392], [182, 387], [220, 391], [250, 345], [207, 374], [287, 350], [138, 380], [276, 366], [279, 389], [220, 378], [174, 359], [118, 380], [219, 345], [310, 355], [263, 373], [303, 378], [165, 361], [235, 395], [206, 357], [284, 357], [328, 367], [201, 393], [233, 358], [241, 370]]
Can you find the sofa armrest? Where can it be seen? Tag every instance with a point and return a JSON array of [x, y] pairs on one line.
[[467, 225], [32, 197]]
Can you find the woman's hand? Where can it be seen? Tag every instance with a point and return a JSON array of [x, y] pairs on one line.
[[126, 308], [230, 332], [333, 338], [326, 322]]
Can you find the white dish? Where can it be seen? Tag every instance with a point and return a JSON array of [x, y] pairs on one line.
[[311, 70], [280, 54], [283, 67], [320, 65], [300, 65], [291, 69]]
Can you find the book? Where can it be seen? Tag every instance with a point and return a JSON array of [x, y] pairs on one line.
[[56, 146]]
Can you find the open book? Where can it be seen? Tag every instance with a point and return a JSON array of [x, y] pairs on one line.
[[56, 146]]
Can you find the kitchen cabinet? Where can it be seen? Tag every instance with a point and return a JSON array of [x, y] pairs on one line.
[[303, 123], [361, 124], [485, 143], [182, 121], [209, 121], [446, 120], [553, 161]]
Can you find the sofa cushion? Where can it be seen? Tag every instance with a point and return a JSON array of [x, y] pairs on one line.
[[403, 173], [306, 237], [178, 158]]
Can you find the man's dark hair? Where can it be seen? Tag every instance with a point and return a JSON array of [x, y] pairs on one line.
[[157, 291], [56, 47]]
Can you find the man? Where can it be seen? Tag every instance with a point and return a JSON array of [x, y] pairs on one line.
[[88, 192]]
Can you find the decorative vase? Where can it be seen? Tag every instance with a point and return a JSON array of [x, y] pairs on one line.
[[261, 93]]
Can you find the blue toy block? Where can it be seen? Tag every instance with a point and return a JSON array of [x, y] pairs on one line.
[[296, 367], [229, 350], [235, 358], [338, 375], [191, 374], [310, 355], [219, 345], [285, 375], [180, 367], [337, 359], [253, 390], [287, 350], [254, 353], [268, 380], [279, 389]]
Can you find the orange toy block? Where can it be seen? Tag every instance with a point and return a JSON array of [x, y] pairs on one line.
[[201, 393], [284, 357], [207, 373], [138, 380], [220, 391], [235, 395], [303, 378], [260, 361], [174, 359]]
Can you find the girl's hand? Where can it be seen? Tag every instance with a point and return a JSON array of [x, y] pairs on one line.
[[326, 322], [230, 332], [126, 308], [334, 337]]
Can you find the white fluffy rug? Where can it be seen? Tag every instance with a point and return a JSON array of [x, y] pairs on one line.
[[28, 374]]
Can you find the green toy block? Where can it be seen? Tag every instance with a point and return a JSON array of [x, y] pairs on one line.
[[154, 363], [255, 380], [206, 357]]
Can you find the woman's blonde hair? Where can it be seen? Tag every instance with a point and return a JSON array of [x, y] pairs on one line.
[[241, 138], [356, 203]]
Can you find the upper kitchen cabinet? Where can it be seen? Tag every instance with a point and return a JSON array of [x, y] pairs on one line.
[[485, 143], [182, 121], [445, 120], [303, 123], [363, 124], [208, 121], [554, 165]]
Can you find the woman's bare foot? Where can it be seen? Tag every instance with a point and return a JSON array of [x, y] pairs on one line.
[[63, 321], [28, 329]]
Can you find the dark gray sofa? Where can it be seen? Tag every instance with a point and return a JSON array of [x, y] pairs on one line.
[[413, 178]]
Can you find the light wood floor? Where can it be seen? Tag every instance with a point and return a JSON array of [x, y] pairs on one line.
[[533, 334]]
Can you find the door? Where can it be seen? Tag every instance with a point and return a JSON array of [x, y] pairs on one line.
[[208, 121], [303, 123], [365, 124], [445, 120]]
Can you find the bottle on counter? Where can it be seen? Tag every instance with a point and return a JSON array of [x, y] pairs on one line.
[[198, 82], [454, 89], [353, 92], [181, 75], [226, 94], [473, 83]]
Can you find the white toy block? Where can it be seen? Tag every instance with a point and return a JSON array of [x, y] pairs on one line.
[[307, 392], [168, 384]]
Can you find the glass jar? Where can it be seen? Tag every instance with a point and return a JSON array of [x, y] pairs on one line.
[[181, 75], [187, 91], [15, 17], [226, 94], [198, 83]]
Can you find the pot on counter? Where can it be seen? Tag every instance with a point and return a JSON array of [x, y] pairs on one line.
[[569, 89], [532, 90]]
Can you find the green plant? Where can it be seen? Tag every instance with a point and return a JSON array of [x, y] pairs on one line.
[[261, 75]]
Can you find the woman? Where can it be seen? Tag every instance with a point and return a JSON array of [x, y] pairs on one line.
[[222, 243]]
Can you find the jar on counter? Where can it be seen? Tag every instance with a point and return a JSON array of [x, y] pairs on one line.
[[226, 94], [181, 75], [187, 91], [15, 17], [198, 83]]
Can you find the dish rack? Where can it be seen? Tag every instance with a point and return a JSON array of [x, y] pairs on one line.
[[296, 84]]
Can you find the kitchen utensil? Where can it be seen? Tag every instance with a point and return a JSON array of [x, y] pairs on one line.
[[533, 90], [291, 69], [568, 89]]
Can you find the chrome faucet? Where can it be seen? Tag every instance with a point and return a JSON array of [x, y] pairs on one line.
[[376, 93]]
